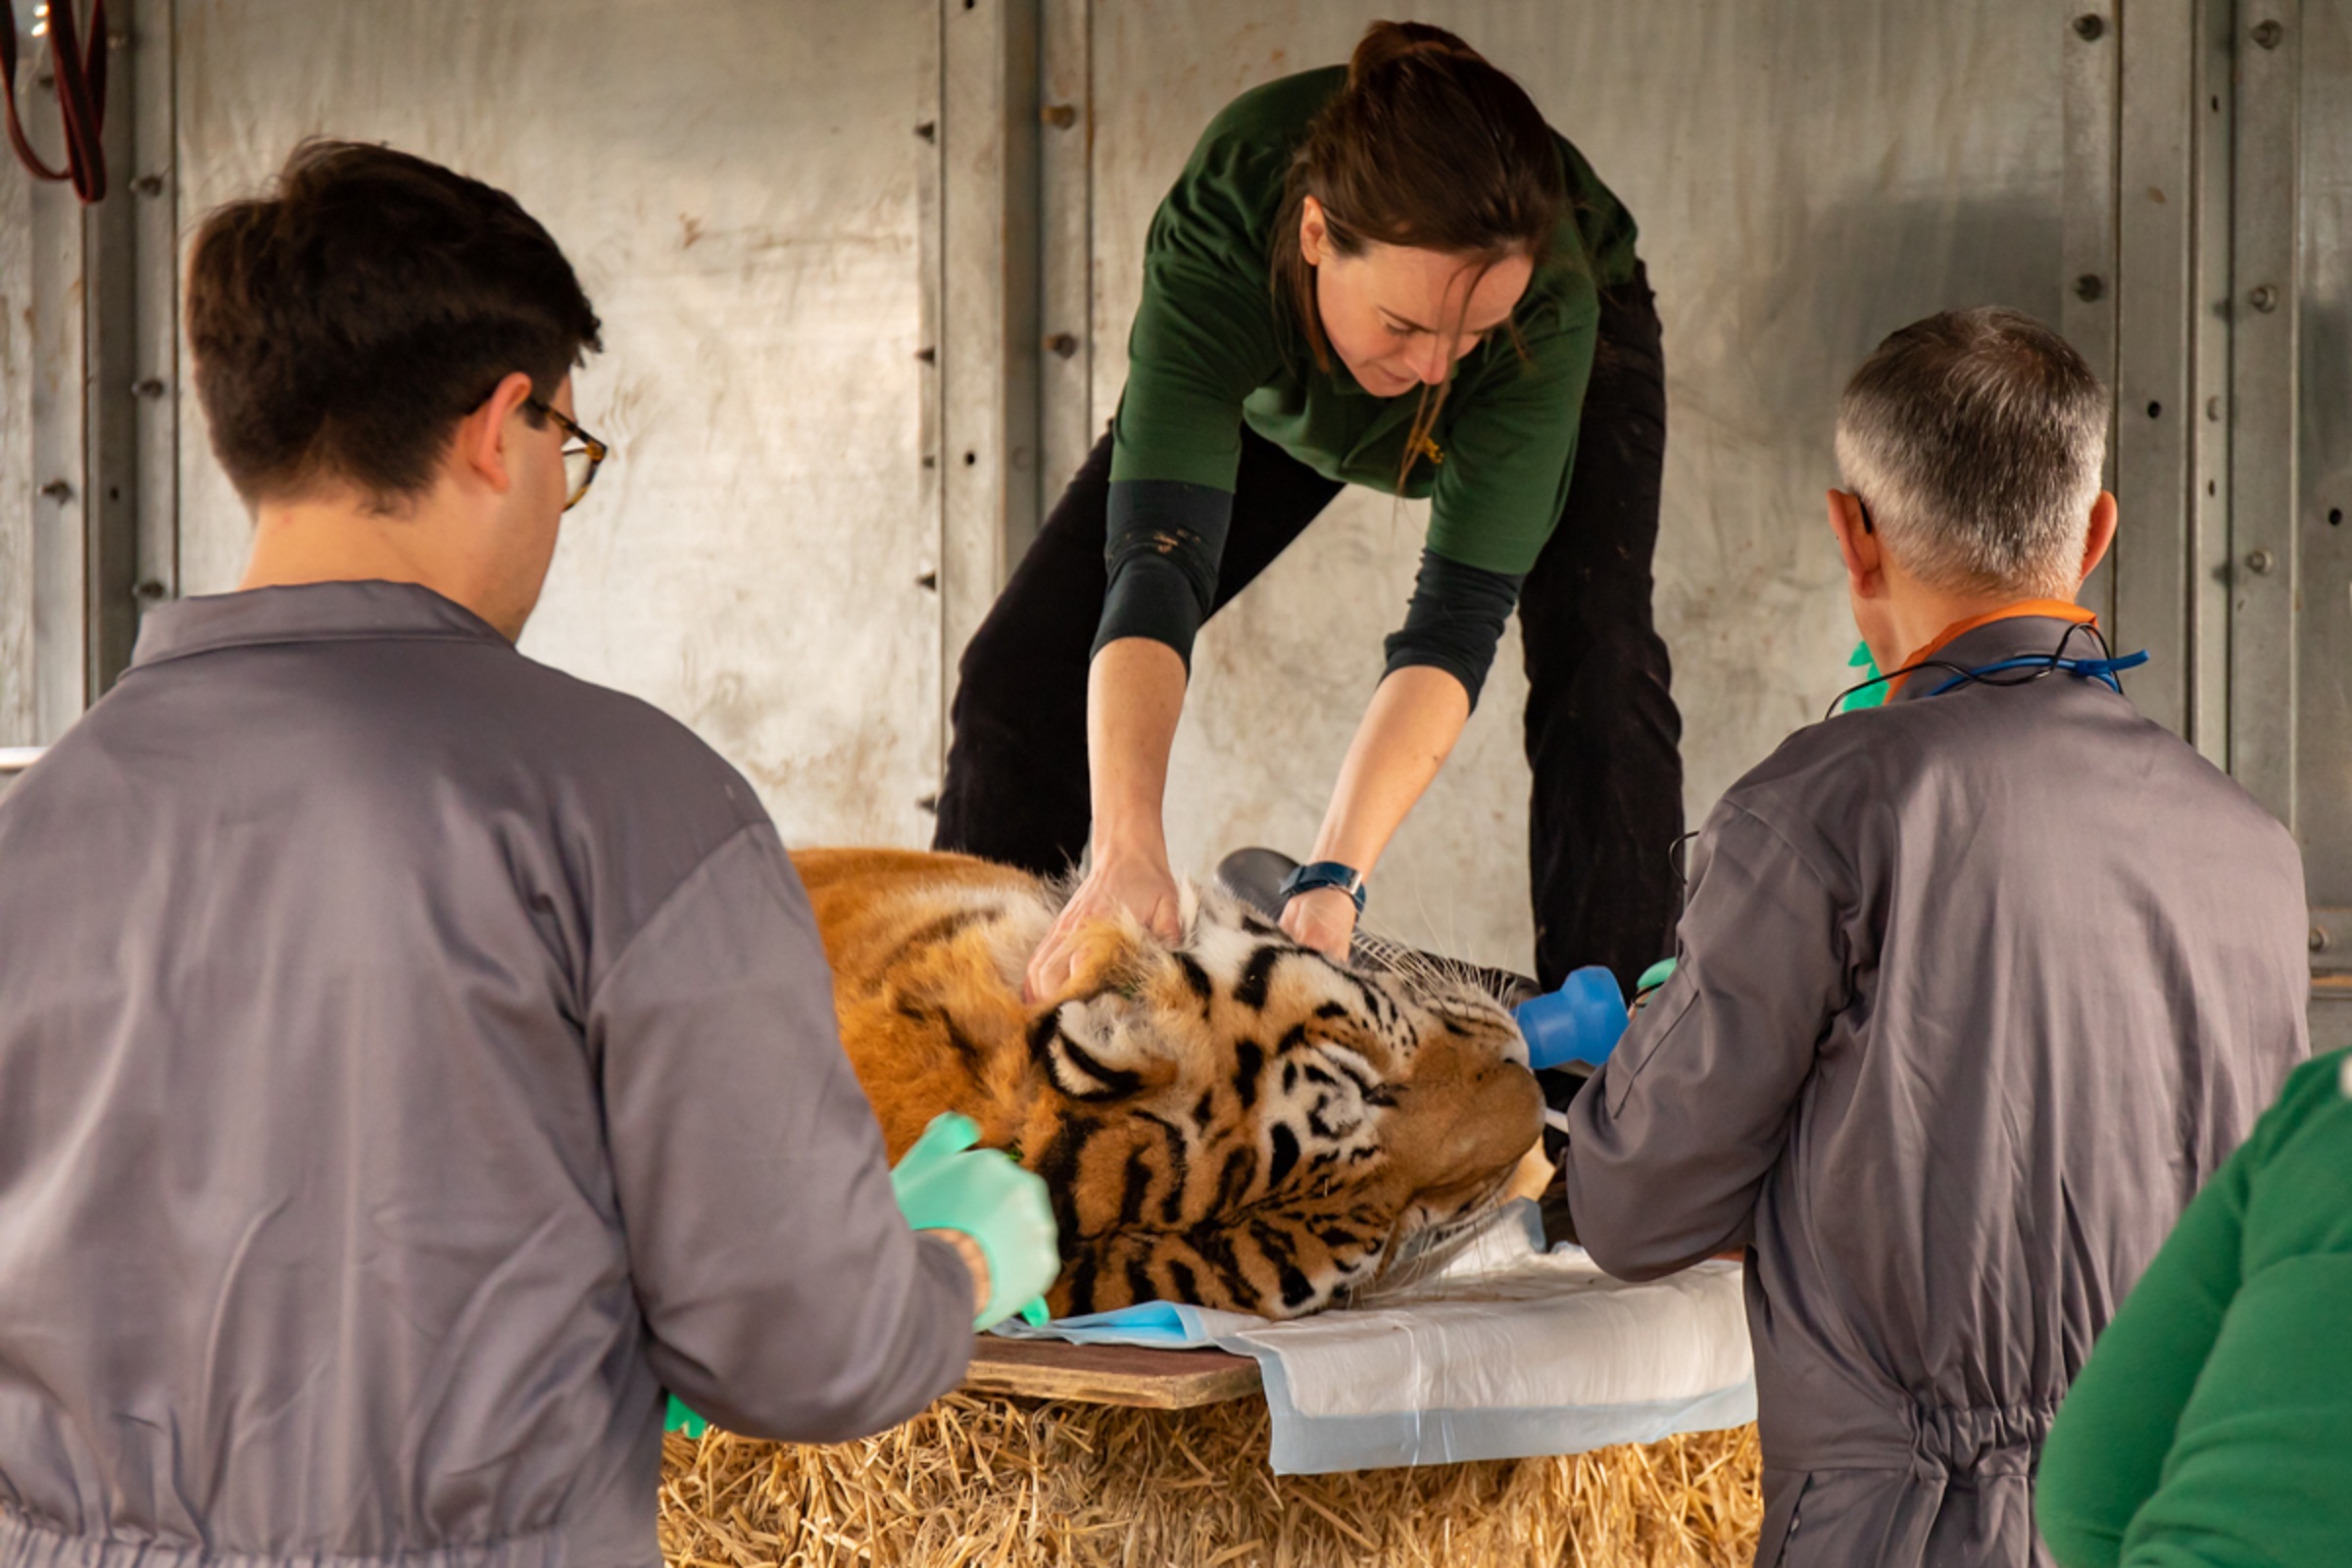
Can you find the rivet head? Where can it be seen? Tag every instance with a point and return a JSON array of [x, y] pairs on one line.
[[2260, 561], [2090, 28], [151, 387], [2091, 286], [148, 184], [58, 490], [1061, 116], [152, 592], [1063, 344], [2268, 34], [2263, 297], [2319, 939]]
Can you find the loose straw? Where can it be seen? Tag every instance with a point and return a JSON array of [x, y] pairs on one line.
[[1013, 1483]]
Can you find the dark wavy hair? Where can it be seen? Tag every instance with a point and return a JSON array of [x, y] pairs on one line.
[[1429, 146], [343, 323]]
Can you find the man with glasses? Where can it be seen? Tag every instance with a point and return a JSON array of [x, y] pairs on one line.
[[412, 1059]]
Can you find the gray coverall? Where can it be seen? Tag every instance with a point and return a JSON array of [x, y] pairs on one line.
[[1975, 991], [412, 1059]]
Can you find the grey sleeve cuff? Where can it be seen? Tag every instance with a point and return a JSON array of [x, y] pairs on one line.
[[1161, 546], [1455, 620]]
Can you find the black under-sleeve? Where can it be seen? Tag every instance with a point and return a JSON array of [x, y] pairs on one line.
[[1455, 620], [1161, 547]]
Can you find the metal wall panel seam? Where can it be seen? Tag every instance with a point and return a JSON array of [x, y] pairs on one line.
[[988, 349], [930, 219], [2092, 48], [1066, 426], [151, 185], [2153, 367], [2211, 113], [2323, 303], [59, 412], [19, 484], [2265, 573], [112, 421]]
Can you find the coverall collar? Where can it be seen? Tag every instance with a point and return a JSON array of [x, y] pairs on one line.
[[2029, 627], [317, 611]]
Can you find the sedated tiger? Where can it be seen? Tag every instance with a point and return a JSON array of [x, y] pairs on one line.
[[1231, 1120]]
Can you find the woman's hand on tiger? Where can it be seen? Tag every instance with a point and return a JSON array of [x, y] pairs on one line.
[[1140, 884], [1323, 919]]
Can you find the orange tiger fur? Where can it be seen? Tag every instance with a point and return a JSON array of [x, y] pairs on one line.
[[1232, 1121]]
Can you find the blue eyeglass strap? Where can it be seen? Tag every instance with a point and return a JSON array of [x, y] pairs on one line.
[[1324, 874]]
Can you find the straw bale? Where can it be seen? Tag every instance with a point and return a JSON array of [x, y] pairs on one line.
[[1009, 1483]]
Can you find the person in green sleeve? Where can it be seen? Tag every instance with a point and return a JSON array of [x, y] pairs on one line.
[[2213, 1423], [1393, 274]]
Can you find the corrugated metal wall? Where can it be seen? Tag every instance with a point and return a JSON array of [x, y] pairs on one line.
[[788, 209]]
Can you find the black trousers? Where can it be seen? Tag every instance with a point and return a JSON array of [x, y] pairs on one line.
[[1602, 734]]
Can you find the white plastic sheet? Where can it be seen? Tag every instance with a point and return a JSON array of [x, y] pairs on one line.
[[1510, 1353]]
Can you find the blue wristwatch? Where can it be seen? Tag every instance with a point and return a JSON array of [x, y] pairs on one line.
[[1324, 874]]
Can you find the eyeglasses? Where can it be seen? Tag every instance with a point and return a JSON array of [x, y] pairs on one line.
[[581, 458]]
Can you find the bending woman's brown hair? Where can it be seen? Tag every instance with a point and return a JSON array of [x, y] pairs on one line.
[[1428, 146]]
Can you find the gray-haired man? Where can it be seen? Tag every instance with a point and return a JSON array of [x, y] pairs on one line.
[[1976, 987]]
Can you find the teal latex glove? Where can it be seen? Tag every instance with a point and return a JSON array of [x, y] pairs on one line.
[[681, 1419], [1872, 694], [1656, 975], [944, 1184]]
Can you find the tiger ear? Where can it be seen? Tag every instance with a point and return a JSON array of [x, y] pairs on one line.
[[1097, 1040]]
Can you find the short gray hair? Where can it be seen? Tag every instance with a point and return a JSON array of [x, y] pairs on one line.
[[1975, 439]]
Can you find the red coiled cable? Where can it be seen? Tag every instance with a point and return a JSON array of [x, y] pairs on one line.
[[81, 70]]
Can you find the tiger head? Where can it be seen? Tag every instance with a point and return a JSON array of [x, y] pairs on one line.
[[1230, 1119]]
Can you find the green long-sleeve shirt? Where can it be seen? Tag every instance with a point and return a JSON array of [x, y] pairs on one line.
[[1218, 343], [1215, 343], [2213, 1424]]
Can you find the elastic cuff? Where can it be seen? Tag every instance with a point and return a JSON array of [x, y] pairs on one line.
[[1455, 620], [1470, 671], [1150, 597]]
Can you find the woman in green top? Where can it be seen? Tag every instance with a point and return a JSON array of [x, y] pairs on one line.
[[1393, 274], [2213, 1425]]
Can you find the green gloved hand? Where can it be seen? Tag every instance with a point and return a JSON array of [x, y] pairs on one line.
[[1869, 696], [944, 1184]]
